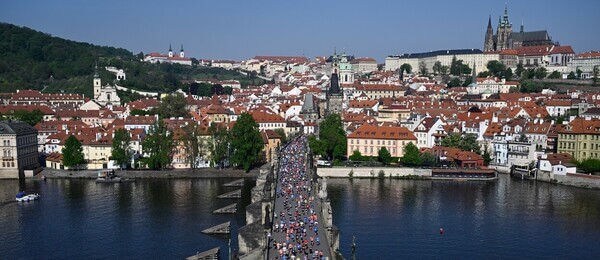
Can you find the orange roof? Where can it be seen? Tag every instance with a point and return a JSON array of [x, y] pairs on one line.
[[367, 131]]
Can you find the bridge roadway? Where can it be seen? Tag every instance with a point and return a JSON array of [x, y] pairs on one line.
[[297, 224]]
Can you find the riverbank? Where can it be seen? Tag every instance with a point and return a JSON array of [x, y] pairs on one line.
[[151, 174]]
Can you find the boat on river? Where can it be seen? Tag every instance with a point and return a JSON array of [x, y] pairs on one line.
[[24, 197], [109, 176]]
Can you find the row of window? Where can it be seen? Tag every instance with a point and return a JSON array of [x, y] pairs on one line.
[[369, 150], [379, 142]]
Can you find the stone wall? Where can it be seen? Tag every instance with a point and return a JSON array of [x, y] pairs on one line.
[[571, 179], [372, 172]]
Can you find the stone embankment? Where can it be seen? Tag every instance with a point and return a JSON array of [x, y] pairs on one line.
[[573, 179], [373, 172], [151, 174]]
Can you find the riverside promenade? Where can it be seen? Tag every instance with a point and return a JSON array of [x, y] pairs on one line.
[[297, 228]]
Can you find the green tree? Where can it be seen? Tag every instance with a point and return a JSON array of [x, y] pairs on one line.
[[467, 81], [246, 142], [193, 144], [72, 152], [554, 75], [32, 118], [589, 165], [571, 75], [173, 106], [529, 86], [384, 156], [467, 142], [422, 68], [486, 156], [159, 146], [579, 72], [455, 67], [465, 69], [513, 90], [483, 74], [356, 156], [519, 69], [444, 70], [332, 138], [219, 147], [406, 67], [541, 73], [428, 159], [121, 152], [496, 68], [437, 67], [411, 157], [455, 82], [508, 74]]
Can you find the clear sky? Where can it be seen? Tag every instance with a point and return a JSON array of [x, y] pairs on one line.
[[241, 29]]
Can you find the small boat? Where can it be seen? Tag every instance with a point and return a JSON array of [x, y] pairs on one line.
[[24, 197], [109, 176]]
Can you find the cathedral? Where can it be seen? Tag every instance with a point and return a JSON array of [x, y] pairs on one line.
[[505, 38], [105, 95]]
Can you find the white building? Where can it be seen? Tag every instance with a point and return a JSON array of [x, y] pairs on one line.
[[468, 56], [585, 62], [105, 95], [156, 57], [18, 144]]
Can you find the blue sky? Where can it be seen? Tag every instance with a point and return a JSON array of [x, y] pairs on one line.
[[227, 29]]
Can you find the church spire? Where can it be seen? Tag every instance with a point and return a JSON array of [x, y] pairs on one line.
[[96, 71], [490, 22], [522, 26], [474, 79], [182, 47], [170, 49]]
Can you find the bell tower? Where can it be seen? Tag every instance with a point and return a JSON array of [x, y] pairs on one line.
[[97, 83]]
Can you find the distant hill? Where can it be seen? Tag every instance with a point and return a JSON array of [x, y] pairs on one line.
[[36, 60]]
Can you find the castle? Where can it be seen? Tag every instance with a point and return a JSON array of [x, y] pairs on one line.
[[505, 38]]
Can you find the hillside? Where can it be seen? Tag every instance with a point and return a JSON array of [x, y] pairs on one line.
[[36, 60]]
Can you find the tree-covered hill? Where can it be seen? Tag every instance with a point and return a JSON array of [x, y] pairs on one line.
[[36, 60]]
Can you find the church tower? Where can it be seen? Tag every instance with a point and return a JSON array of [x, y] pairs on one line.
[[504, 32], [334, 96], [488, 45], [181, 53], [346, 72], [97, 83], [170, 51]]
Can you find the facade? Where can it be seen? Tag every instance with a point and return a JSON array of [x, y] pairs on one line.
[[369, 139], [18, 143], [169, 58], [364, 65], [334, 97], [580, 138], [468, 56], [105, 95], [508, 152], [505, 38], [586, 62]]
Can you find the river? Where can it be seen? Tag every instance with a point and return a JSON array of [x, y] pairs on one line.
[[507, 218], [391, 219], [154, 219]]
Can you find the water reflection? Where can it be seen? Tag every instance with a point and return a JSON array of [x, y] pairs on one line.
[[509, 218]]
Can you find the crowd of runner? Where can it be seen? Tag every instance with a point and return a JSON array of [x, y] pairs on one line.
[[295, 226]]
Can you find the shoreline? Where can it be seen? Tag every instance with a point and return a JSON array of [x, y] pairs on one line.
[[151, 174]]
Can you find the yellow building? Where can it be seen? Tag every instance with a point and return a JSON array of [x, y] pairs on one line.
[[581, 139], [369, 139], [272, 142]]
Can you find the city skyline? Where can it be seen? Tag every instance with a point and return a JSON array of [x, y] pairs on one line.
[[240, 30]]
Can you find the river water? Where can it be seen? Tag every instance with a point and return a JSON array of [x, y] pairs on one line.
[[507, 219], [152, 219], [391, 219]]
